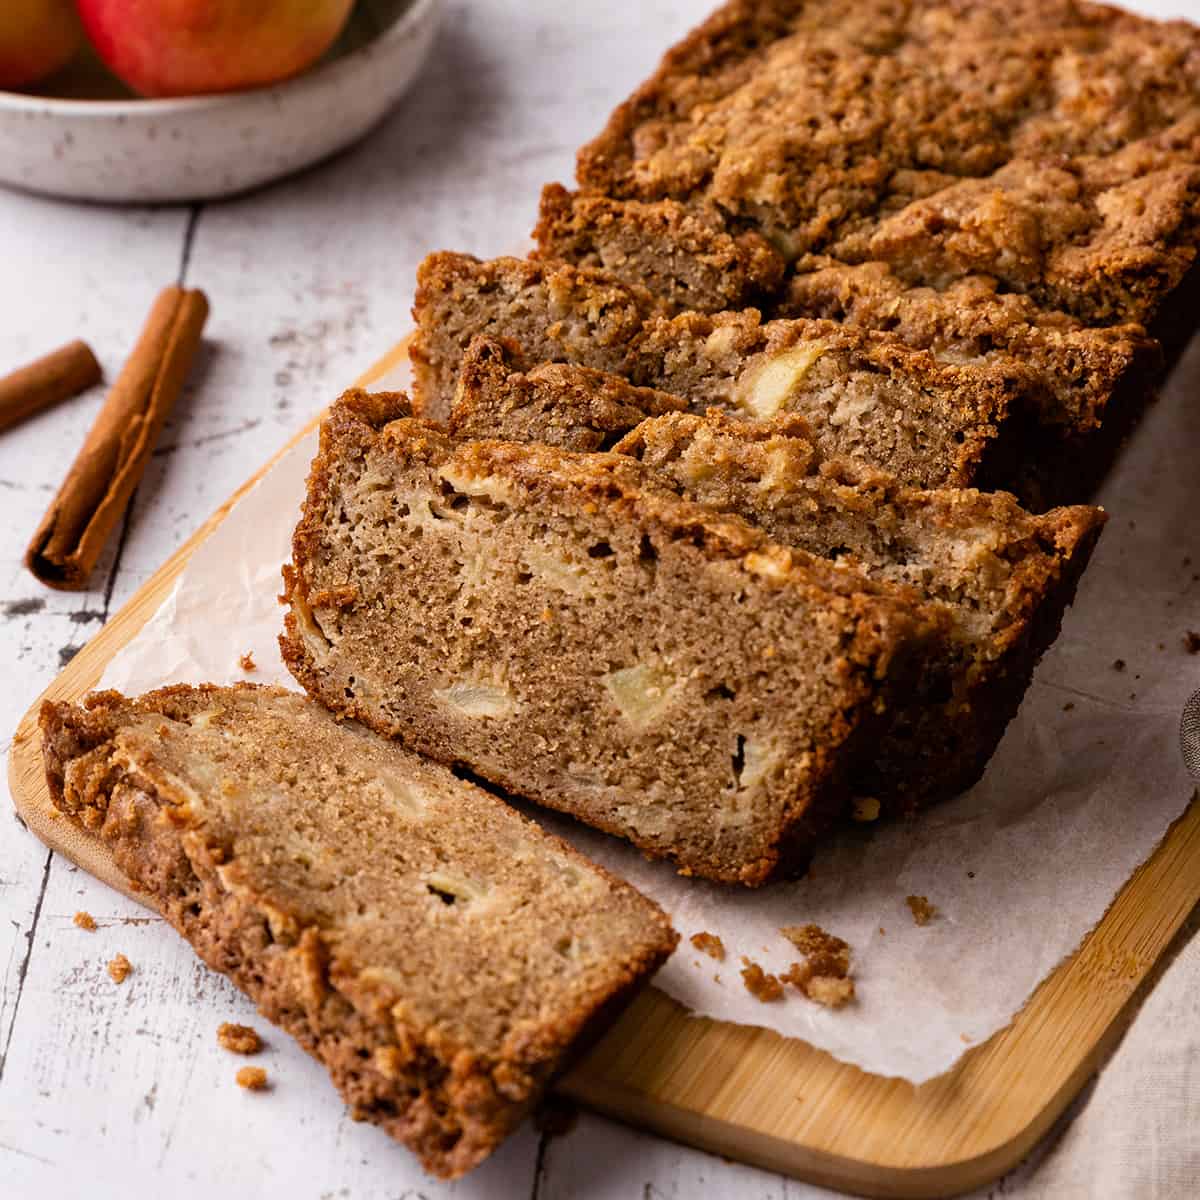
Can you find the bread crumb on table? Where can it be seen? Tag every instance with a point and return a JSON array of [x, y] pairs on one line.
[[1118, 664], [239, 1039], [253, 1079], [85, 920], [1191, 642], [710, 944], [120, 968], [247, 663], [922, 911], [760, 984], [824, 976]]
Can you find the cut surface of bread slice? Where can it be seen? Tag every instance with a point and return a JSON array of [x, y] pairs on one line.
[[1003, 577], [865, 393], [554, 312], [685, 256], [569, 628], [1071, 371], [1078, 391], [577, 408], [1068, 372], [434, 949]]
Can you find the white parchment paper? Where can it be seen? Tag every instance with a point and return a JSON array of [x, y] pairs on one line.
[[1085, 784]]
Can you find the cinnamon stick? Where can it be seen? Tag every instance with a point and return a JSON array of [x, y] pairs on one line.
[[46, 381], [98, 487]]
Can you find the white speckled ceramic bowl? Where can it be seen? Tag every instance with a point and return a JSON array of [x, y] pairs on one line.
[[201, 147]]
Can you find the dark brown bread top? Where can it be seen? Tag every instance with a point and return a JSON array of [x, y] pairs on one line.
[[436, 950], [554, 311], [1109, 240], [1052, 144], [571, 629], [1064, 373], [577, 408]]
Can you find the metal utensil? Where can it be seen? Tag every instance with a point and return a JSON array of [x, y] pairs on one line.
[[1189, 735]]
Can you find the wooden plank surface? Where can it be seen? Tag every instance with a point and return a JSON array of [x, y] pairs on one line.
[[749, 1093]]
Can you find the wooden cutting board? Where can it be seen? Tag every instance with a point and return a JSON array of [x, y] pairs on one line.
[[756, 1096]]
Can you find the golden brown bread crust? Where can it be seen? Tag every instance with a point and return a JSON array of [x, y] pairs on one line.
[[1054, 145], [1066, 372], [1010, 166], [450, 1101], [337, 641]]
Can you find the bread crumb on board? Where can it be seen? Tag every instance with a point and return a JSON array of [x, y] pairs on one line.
[[239, 1039], [922, 911], [832, 991], [824, 976], [253, 1079], [119, 968], [760, 984], [710, 944], [247, 663], [829, 954], [85, 920]]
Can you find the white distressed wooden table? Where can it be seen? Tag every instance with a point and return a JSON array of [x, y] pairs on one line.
[[123, 1091]]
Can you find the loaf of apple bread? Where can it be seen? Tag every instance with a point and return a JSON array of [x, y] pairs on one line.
[[1002, 576], [569, 628]]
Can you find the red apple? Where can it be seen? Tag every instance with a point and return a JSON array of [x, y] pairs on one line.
[[186, 47], [36, 38]]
